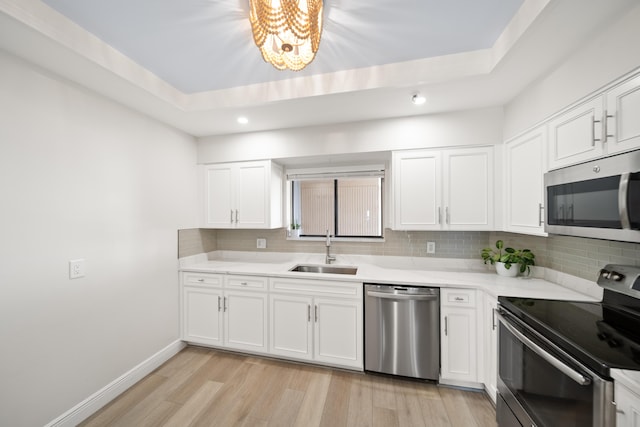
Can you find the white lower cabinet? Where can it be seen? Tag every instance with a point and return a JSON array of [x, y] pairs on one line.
[[202, 320], [490, 327], [291, 326], [246, 320], [627, 406], [216, 316], [626, 393], [311, 320], [317, 321], [338, 332], [459, 337]]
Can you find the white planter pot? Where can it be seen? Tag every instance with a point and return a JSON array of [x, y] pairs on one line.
[[502, 271]]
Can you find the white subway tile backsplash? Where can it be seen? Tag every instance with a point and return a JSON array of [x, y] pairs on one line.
[[576, 256]]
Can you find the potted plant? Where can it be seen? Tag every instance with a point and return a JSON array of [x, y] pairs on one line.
[[295, 229], [504, 258]]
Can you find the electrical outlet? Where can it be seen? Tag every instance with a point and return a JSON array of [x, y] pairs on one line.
[[261, 243], [431, 247], [76, 268]]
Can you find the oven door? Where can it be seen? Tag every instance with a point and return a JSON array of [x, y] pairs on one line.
[[540, 385]]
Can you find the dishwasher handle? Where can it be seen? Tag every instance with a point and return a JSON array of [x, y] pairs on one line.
[[385, 295]]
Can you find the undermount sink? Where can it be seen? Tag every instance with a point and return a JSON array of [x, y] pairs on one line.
[[331, 269]]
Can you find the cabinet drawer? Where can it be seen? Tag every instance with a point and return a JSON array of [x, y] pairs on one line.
[[214, 280], [458, 297], [316, 287], [246, 282]]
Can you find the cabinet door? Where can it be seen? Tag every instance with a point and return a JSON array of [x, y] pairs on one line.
[[459, 352], [338, 332], [576, 136], [491, 347], [524, 182], [202, 315], [623, 126], [468, 189], [627, 407], [246, 320], [219, 196], [291, 326], [252, 187], [417, 190]]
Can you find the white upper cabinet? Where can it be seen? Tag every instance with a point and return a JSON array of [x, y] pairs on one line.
[[468, 188], [604, 125], [243, 195], [443, 189], [623, 117], [524, 182], [417, 190], [576, 135]]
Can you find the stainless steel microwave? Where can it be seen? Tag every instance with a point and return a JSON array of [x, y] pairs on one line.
[[598, 199]]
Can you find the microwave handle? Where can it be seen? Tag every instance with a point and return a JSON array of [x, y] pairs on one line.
[[623, 198], [565, 369]]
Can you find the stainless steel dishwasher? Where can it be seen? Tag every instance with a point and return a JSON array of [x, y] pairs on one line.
[[402, 330]]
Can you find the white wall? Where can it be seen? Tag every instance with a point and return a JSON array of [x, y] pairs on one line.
[[82, 177], [476, 127], [604, 58]]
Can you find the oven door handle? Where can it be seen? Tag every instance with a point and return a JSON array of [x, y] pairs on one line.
[[562, 367]]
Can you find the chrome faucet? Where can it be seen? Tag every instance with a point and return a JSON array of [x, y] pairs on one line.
[[329, 258]]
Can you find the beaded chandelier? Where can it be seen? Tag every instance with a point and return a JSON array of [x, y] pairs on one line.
[[287, 31]]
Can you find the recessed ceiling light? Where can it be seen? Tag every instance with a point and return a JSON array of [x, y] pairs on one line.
[[418, 99], [243, 120]]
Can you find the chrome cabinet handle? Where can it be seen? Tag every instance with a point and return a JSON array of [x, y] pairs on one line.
[[593, 133], [605, 126], [447, 216], [558, 364], [309, 313], [219, 303], [316, 313], [224, 305], [493, 319], [446, 328], [200, 280], [540, 209], [231, 218], [439, 215], [236, 216], [243, 283]]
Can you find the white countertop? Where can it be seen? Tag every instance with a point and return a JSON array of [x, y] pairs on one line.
[[438, 272]]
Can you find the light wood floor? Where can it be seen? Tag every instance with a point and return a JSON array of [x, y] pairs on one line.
[[204, 387]]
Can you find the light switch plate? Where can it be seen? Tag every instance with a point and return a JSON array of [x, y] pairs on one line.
[[76, 268], [431, 247], [261, 243]]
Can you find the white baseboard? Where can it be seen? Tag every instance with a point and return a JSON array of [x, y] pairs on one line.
[[93, 403]]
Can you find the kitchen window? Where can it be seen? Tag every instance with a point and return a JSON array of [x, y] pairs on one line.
[[348, 204]]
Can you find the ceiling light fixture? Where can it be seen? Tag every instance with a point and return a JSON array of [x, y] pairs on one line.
[[242, 120], [418, 99], [287, 31]]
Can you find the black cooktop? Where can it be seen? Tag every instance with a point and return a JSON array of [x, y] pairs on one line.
[[601, 335]]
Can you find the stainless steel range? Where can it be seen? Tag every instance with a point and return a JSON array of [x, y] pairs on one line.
[[555, 357]]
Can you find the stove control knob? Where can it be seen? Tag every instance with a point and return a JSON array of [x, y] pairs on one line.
[[616, 277], [605, 274]]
